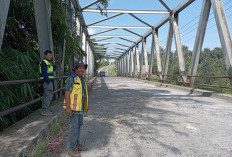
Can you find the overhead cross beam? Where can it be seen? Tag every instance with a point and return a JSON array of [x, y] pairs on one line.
[[90, 5], [122, 45], [132, 32], [127, 40], [110, 46], [127, 27], [114, 36], [111, 42], [177, 9], [127, 11], [140, 20], [105, 39], [164, 4], [103, 31], [105, 19], [102, 50]]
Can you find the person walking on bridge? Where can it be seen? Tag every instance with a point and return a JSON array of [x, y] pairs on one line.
[[47, 68], [76, 103]]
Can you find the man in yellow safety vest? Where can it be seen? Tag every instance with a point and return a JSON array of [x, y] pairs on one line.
[[47, 68], [76, 103]]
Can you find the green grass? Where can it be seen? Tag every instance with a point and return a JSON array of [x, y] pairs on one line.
[[112, 70]]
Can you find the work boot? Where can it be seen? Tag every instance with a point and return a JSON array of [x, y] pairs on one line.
[[46, 113], [81, 147], [74, 153]]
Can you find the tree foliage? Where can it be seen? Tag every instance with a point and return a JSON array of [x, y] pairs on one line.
[[211, 63]]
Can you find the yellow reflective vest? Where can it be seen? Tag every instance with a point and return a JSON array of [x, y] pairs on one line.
[[50, 69], [76, 96]]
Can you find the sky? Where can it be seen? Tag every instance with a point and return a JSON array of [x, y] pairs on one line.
[[188, 21]]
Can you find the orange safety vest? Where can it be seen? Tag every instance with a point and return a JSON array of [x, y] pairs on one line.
[[76, 96]]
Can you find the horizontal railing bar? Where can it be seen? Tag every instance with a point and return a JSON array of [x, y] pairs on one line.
[[8, 111], [12, 82]]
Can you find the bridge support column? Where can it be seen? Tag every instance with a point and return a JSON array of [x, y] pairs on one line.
[[77, 32], [168, 50], [199, 40], [87, 58], [179, 47], [125, 64], [131, 63], [136, 62], [145, 56], [4, 8], [143, 59], [121, 64], [155, 46], [158, 55], [42, 9], [224, 34], [151, 56], [128, 63]]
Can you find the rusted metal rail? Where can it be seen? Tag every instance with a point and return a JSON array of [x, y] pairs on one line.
[[13, 82], [189, 76]]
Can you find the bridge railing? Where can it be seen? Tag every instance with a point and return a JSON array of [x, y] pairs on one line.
[[149, 77], [14, 82]]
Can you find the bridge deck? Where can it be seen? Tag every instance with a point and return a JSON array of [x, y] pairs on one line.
[[131, 118]]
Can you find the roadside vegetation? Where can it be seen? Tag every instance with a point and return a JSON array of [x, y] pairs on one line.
[[112, 70], [20, 56], [53, 144], [211, 64]]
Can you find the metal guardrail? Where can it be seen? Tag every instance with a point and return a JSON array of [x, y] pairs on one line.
[[203, 76], [188, 76], [13, 82]]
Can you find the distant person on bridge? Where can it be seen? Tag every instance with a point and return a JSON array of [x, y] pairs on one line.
[[76, 103], [47, 68]]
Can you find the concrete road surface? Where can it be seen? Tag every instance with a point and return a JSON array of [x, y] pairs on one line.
[[129, 118]]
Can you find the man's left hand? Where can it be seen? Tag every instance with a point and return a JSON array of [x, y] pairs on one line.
[[54, 61]]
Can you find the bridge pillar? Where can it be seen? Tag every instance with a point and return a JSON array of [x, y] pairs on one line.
[[136, 62], [179, 47], [151, 56], [158, 55], [155, 46], [125, 65], [199, 40], [131, 63], [42, 9], [120, 66], [224, 34], [4, 8], [143, 59], [87, 58], [78, 32], [168, 50], [128, 63]]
